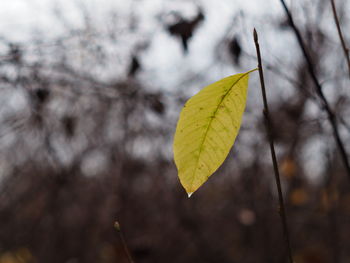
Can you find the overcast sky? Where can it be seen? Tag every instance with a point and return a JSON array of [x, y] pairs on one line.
[[19, 18], [19, 15]]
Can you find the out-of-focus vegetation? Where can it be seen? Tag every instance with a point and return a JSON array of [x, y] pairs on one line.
[[85, 140]]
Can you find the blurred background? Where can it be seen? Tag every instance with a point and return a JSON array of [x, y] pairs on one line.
[[90, 94]]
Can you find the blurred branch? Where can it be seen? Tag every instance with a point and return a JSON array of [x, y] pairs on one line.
[[333, 206], [331, 116], [340, 33]]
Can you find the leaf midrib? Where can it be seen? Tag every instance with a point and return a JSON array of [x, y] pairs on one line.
[[209, 124]]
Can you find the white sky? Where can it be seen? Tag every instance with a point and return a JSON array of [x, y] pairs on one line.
[[17, 17]]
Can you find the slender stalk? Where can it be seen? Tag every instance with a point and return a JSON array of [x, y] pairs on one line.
[[325, 104], [340, 33], [122, 239], [282, 210]]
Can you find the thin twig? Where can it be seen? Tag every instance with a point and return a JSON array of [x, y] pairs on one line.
[[330, 114], [282, 210], [122, 239], [340, 33]]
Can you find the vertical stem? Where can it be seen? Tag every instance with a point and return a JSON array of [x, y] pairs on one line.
[[122, 239], [340, 33], [282, 210]]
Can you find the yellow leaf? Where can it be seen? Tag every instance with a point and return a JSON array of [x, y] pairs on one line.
[[207, 128]]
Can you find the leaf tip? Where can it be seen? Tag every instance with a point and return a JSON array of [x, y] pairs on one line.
[[189, 194]]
